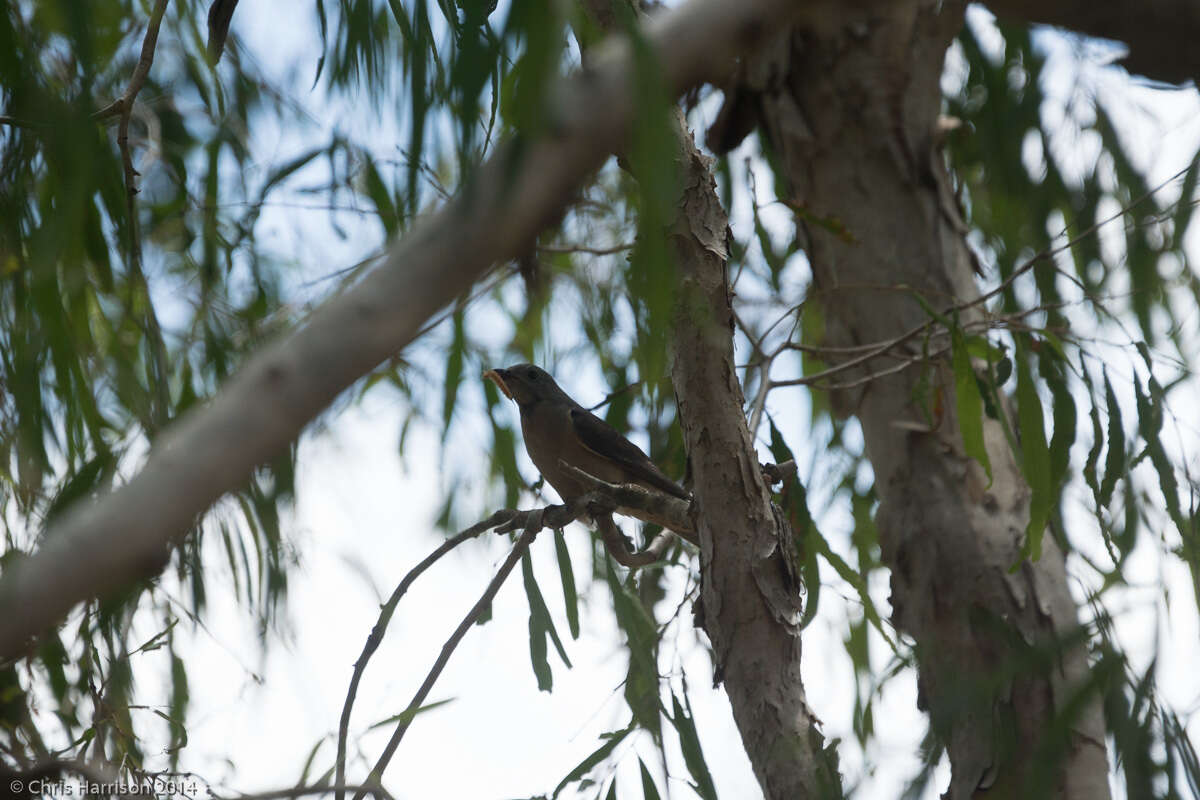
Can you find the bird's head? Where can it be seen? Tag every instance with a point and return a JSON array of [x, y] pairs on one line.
[[527, 384]]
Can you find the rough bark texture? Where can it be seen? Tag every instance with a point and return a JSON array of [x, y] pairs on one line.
[[851, 110], [751, 608]]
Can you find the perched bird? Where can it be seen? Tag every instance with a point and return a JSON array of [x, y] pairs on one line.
[[556, 428]]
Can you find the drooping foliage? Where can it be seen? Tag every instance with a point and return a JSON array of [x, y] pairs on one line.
[[112, 326]]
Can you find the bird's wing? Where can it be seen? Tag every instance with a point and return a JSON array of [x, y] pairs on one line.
[[601, 438]]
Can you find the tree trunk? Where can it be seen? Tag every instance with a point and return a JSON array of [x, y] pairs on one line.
[[851, 109], [750, 608]]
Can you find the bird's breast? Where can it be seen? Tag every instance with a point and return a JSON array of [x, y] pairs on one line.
[[550, 437]]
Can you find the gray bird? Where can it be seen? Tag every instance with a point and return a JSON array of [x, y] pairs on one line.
[[557, 428]]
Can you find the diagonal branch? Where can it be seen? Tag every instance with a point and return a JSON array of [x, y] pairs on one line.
[[603, 496], [385, 617], [1161, 34], [103, 544], [536, 521]]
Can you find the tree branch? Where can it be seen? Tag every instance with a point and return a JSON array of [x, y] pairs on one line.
[[1161, 34], [99, 546], [535, 521], [385, 617], [647, 505], [605, 495]]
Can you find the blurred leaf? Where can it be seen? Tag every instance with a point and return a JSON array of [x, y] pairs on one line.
[[1052, 366], [1150, 422], [454, 368], [641, 684], [378, 192], [689, 742], [969, 402], [1035, 454], [602, 752], [407, 715], [570, 597], [1114, 464], [540, 626]]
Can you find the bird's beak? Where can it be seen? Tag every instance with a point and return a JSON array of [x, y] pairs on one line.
[[497, 376]]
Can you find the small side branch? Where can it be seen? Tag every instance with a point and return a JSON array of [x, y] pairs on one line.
[[124, 108], [672, 513], [381, 624], [535, 521], [503, 521]]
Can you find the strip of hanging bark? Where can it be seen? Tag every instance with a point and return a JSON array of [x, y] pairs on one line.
[[103, 544]]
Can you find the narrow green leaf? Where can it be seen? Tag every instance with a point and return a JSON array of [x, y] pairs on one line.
[[599, 754], [305, 770], [378, 193], [180, 698], [811, 573], [1064, 413], [1035, 454], [641, 684], [454, 368], [933, 313], [1093, 457], [1150, 422], [1186, 204], [53, 657], [565, 571], [689, 743], [1114, 462], [287, 169], [649, 790], [543, 612], [850, 576], [540, 625], [969, 402], [537, 640], [83, 482], [407, 715]]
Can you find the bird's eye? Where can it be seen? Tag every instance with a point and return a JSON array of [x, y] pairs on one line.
[[533, 376]]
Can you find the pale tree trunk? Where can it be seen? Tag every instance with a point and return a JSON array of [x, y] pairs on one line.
[[851, 109]]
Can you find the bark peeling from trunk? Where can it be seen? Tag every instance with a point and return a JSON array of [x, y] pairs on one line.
[[751, 612], [850, 109]]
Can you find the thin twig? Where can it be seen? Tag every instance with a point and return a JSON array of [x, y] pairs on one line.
[[481, 605], [614, 542], [123, 107], [580, 248], [615, 393], [385, 617], [881, 348], [16, 122]]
